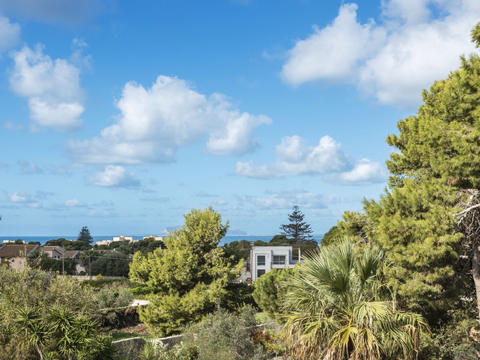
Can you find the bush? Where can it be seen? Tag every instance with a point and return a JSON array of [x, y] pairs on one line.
[[113, 297], [220, 336], [42, 316], [268, 293]]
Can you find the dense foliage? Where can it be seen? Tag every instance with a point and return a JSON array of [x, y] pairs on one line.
[[110, 264], [48, 317], [220, 336], [189, 277], [339, 307], [270, 291], [428, 219], [44, 262], [84, 236]]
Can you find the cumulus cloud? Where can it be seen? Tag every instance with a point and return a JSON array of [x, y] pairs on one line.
[[64, 11], [295, 157], [154, 122], [115, 176], [393, 60], [9, 34], [364, 171], [52, 88]]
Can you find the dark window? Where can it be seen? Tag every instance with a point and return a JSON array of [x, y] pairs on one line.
[[278, 259], [260, 259], [260, 272]]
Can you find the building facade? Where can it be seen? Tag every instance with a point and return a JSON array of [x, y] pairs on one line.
[[265, 258], [15, 255]]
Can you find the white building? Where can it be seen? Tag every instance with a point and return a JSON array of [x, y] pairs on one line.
[[122, 238], [265, 258], [156, 238]]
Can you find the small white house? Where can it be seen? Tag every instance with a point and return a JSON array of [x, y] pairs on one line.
[[265, 258]]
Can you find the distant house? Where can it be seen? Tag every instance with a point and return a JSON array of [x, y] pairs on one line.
[[15, 255], [265, 258], [156, 238], [122, 238], [54, 252], [58, 253]]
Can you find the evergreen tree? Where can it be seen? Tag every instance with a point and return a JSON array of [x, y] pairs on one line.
[[297, 230], [188, 278], [85, 236], [442, 142]]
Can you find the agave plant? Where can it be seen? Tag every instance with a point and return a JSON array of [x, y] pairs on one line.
[[340, 308]]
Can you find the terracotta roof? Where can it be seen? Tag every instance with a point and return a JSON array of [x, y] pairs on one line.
[[16, 250]]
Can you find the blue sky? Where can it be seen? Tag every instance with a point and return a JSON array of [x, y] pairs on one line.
[[123, 115]]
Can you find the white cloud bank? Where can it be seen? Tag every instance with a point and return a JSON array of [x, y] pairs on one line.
[[52, 88], [394, 60], [295, 157], [154, 122], [115, 176]]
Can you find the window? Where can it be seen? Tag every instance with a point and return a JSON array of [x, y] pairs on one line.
[[260, 259], [260, 272], [278, 259]]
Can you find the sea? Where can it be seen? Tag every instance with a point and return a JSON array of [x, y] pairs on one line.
[[227, 239]]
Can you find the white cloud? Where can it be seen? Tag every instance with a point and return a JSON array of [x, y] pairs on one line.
[[51, 86], [295, 158], [286, 200], [392, 61], [9, 34], [332, 52], [74, 203], [364, 171], [115, 176], [154, 122], [21, 198]]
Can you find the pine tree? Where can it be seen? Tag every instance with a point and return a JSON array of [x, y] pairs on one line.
[[85, 236], [297, 230]]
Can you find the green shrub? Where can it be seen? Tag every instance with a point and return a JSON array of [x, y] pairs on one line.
[[268, 291], [42, 316], [220, 336], [113, 297]]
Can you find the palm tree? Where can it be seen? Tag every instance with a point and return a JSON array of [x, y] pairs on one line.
[[340, 308]]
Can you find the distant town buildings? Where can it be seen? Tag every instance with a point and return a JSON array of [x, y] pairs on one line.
[[127, 238]]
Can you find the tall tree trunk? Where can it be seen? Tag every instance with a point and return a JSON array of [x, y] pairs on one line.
[[476, 273]]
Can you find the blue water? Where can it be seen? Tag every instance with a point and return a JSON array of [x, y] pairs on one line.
[[44, 239]]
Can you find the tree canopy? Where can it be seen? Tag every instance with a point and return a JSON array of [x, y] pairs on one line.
[[297, 229], [189, 277], [84, 236]]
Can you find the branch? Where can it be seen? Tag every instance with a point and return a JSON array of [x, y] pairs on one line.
[[467, 210]]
